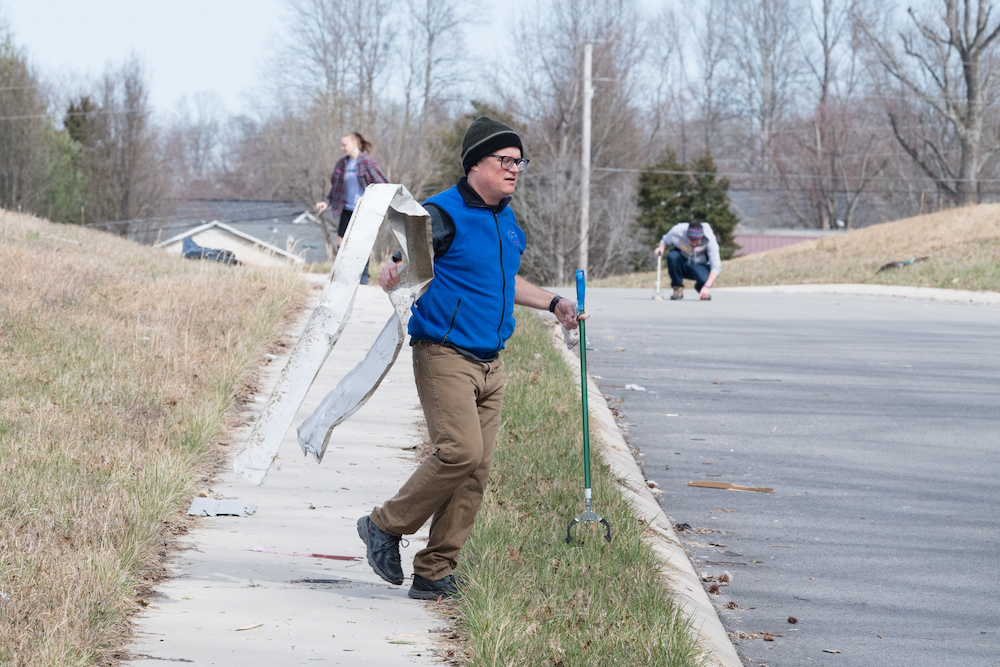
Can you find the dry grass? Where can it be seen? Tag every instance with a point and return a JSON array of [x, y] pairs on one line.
[[119, 366], [963, 245]]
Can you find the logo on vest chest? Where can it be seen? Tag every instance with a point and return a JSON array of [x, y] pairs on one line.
[[512, 235]]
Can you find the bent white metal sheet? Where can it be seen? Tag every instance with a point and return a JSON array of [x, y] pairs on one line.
[[410, 227]]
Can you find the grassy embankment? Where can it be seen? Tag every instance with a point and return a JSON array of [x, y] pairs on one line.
[[963, 245], [119, 369], [531, 598]]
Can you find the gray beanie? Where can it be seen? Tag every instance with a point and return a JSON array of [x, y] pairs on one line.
[[484, 136]]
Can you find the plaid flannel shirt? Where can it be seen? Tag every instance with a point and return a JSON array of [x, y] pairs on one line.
[[368, 173]]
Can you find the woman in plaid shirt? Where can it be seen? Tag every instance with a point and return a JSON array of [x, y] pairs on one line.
[[354, 172]]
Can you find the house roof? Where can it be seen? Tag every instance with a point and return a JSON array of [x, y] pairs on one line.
[[235, 232], [275, 222]]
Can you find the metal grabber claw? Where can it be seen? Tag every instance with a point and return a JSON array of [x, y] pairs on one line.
[[589, 515]]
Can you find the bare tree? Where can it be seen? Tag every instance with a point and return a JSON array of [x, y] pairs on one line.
[[666, 78], [713, 92], [545, 90], [126, 182], [193, 144], [946, 62], [832, 158], [22, 130], [766, 56]]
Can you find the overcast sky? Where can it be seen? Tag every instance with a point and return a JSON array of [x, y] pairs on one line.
[[187, 46]]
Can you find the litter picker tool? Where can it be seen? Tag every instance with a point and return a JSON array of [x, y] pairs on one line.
[[588, 516], [658, 296]]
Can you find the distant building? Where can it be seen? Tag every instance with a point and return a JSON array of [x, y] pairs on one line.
[[759, 240], [282, 229], [246, 248]]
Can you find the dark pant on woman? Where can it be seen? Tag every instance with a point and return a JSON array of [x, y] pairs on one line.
[[680, 267], [345, 219]]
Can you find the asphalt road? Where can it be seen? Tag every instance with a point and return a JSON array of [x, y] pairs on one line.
[[876, 420]]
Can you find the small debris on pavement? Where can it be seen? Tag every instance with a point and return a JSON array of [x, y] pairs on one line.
[[213, 507], [793, 620], [248, 626], [634, 387], [729, 486], [830, 651], [301, 553]]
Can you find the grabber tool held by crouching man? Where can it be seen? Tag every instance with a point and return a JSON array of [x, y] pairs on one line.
[[589, 515]]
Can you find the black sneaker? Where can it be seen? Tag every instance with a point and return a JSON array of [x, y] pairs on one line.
[[383, 550], [425, 589]]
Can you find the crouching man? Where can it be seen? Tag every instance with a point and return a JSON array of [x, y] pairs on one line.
[[695, 256]]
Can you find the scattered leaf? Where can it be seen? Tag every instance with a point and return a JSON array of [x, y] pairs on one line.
[[249, 626]]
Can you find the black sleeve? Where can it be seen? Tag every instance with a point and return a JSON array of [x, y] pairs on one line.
[[442, 229]]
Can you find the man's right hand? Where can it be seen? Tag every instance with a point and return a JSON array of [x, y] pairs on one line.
[[321, 206], [388, 277]]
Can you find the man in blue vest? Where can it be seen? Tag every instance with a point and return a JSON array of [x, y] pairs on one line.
[[457, 330]]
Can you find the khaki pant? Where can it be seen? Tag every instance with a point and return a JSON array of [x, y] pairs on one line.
[[462, 399]]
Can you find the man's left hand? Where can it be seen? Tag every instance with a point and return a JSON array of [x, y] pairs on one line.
[[566, 314], [705, 294]]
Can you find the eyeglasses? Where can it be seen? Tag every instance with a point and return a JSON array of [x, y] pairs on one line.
[[506, 162]]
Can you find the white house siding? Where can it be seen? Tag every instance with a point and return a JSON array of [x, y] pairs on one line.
[[245, 251]]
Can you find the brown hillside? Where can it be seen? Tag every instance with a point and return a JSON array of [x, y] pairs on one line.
[[962, 246]]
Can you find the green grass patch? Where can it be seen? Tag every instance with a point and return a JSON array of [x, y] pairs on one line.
[[529, 598]]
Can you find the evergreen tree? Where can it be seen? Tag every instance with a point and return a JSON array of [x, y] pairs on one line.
[[668, 196], [710, 203], [79, 122]]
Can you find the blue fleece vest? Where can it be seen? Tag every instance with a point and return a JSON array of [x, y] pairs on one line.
[[470, 303]]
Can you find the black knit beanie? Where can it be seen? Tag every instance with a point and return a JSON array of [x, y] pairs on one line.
[[485, 136]]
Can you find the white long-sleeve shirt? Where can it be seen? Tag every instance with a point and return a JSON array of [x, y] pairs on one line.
[[706, 252]]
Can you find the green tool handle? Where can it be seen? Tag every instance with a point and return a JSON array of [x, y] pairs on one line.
[[580, 293]]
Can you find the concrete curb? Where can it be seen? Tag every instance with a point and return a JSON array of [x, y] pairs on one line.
[[684, 580], [929, 293]]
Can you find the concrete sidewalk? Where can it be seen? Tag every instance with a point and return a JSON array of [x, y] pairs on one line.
[[230, 606]]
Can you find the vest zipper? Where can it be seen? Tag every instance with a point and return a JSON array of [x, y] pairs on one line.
[[452, 325], [503, 278]]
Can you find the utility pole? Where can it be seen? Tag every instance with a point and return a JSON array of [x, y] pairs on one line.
[[588, 95]]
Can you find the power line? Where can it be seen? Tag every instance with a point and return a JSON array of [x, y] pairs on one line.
[[75, 113], [814, 177]]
